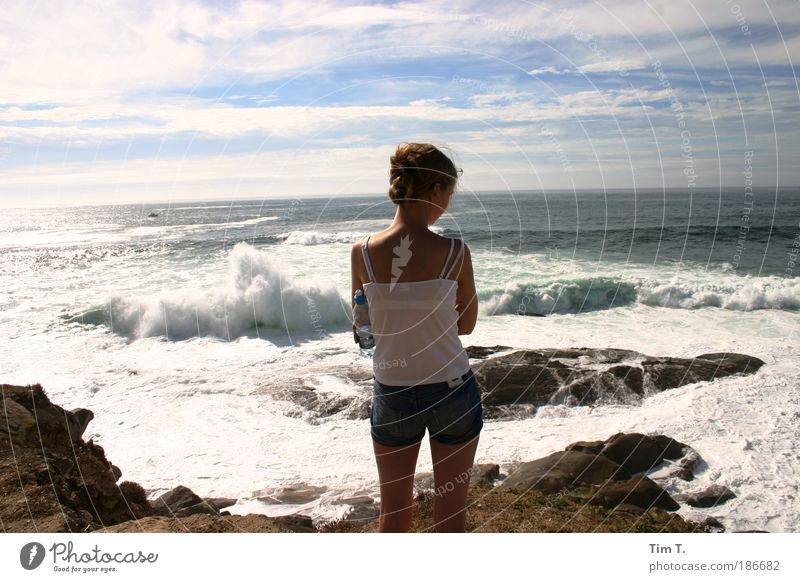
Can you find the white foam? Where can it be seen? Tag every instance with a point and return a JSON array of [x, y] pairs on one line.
[[256, 294]]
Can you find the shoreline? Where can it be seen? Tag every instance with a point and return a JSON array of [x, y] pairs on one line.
[[610, 491]]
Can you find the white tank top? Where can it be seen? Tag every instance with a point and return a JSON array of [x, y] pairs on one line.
[[415, 325]]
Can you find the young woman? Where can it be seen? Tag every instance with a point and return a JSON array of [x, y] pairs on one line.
[[421, 296]]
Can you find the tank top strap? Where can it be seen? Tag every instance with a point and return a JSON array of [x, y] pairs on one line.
[[458, 255], [450, 252], [366, 259]]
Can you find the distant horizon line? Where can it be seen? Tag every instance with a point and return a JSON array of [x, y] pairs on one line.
[[373, 195]]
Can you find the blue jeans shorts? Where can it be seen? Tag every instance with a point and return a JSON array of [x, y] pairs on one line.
[[400, 414]]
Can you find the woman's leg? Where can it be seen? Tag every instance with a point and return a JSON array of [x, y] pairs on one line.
[[396, 468], [451, 465]]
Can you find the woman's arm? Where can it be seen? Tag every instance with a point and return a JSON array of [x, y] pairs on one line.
[[355, 277], [466, 296]]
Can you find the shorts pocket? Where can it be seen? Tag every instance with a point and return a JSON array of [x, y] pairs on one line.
[[459, 414], [387, 422]]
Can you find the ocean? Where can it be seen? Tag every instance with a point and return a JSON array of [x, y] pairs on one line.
[[187, 328]]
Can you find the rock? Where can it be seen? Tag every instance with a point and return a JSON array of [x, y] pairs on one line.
[[322, 404], [596, 355], [683, 468], [521, 376], [665, 373], [631, 377], [218, 503], [485, 473], [734, 363], [46, 460], [593, 447], [484, 351], [563, 471], [582, 376], [18, 422], [709, 497], [639, 491], [182, 502], [174, 500], [298, 494], [78, 421], [637, 452], [711, 521]]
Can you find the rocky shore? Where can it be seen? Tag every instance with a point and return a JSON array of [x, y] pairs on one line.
[[51, 480]]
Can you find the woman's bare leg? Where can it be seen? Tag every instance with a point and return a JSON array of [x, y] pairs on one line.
[[396, 468], [451, 465]]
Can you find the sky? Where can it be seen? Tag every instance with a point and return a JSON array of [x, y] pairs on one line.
[[176, 100]]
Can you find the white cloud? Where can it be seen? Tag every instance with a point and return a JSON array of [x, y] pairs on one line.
[[548, 69]]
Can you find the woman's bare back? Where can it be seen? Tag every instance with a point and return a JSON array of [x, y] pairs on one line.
[[418, 256]]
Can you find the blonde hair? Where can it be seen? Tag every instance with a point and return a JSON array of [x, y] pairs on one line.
[[414, 170]]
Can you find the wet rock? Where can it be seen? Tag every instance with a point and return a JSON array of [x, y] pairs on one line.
[[637, 452], [563, 471], [295, 494], [638, 491], [665, 373], [583, 376], [484, 473], [484, 351], [711, 496], [174, 500]]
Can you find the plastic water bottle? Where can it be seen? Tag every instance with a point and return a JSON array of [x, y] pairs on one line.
[[366, 341]]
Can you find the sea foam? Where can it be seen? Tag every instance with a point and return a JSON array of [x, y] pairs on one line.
[[256, 294]]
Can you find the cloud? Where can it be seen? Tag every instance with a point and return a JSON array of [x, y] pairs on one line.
[[306, 76], [549, 69]]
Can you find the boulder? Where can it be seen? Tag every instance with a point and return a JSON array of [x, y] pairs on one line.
[[637, 452], [638, 491], [43, 457], [563, 471], [665, 373], [711, 496], [582, 376]]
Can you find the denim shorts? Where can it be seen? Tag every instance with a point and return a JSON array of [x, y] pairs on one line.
[[400, 414]]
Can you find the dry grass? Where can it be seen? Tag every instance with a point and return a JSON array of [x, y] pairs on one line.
[[494, 509]]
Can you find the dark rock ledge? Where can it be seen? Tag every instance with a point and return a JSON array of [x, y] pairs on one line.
[[522, 379], [51, 480], [515, 382]]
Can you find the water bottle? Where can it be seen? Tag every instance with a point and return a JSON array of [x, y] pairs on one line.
[[366, 341]]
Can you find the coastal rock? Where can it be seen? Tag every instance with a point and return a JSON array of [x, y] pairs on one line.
[[50, 479], [294, 494], [322, 404], [666, 373], [711, 496], [608, 473], [683, 468], [634, 451], [526, 379], [637, 491], [639, 453], [563, 471], [182, 502], [484, 351], [53, 481]]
